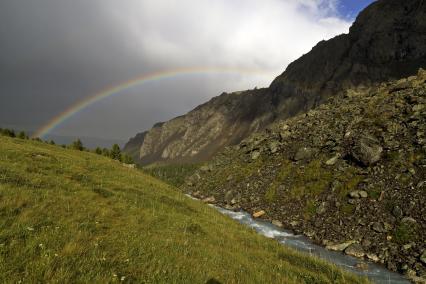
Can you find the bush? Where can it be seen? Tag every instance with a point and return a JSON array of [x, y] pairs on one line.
[[8, 132], [115, 152], [22, 135], [106, 152], [77, 145], [127, 159]]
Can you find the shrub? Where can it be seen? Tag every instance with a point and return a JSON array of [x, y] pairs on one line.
[[8, 132], [127, 159], [115, 152], [98, 151], [77, 145], [22, 135]]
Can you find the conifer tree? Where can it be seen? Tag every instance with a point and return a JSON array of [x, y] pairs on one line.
[[22, 135], [115, 152], [125, 158], [77, 145]]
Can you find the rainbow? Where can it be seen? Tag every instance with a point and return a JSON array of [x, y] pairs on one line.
[[113, 90]]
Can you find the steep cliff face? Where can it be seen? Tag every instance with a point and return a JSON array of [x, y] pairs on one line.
[[387, 41], [196, 136]]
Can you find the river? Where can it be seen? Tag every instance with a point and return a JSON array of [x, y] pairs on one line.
[[376, 273]]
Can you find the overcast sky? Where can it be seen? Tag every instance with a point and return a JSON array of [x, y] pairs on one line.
[[54, 53]]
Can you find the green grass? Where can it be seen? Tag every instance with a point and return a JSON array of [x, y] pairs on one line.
[[405, 233], [68, 216], [172, 174]]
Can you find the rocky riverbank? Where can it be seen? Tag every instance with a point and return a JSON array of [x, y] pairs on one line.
[[350, 175]]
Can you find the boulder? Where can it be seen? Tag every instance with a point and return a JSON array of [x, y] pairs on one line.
[[365, 149], [355, 250], [321, 208], [205, 168], [408, 220], [277, 223], [273, 146], [229, 195], [373, 257], [332, 161], [397, 212], [210, 199], [130, 166], [259, 213], [354, 194], [339, 247], [255, 155], [379, 227], [304, 153]]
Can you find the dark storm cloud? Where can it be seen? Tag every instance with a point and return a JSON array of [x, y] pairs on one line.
[[54, 53]]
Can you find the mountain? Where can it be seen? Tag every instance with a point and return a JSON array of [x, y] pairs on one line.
[[387, 41], [132, 147], [350, 174], [76, 217]]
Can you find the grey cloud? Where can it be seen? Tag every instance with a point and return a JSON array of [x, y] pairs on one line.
[[54, 53]]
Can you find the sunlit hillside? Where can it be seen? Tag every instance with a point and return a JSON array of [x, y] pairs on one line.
[[71, 216]]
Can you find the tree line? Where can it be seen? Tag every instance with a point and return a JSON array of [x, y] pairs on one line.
[[114, 153]]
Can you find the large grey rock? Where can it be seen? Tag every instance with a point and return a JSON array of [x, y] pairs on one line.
[[340, 247], [255, 155], [397, 212], [366, 149], [355, 250], [333, 161], [379, 227], [305, 153]]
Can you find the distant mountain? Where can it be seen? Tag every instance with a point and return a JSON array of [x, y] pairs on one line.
[[387, 41], [133, 146]]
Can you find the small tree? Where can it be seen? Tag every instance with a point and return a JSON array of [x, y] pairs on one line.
[[115, 152], [22, 135], [9, 132], [106, 152], [51, 142], [98, 151], [77, 145], [125, 158]]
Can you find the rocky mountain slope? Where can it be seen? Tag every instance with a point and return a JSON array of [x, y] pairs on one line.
[[387, 41], [350, 174]]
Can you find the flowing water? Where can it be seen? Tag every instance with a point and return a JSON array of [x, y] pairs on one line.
[[376, 273]]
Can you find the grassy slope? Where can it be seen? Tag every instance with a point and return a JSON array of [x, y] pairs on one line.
[[68, 216], [172, 174]]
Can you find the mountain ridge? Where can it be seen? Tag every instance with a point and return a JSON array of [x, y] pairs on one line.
[[387, 41]]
